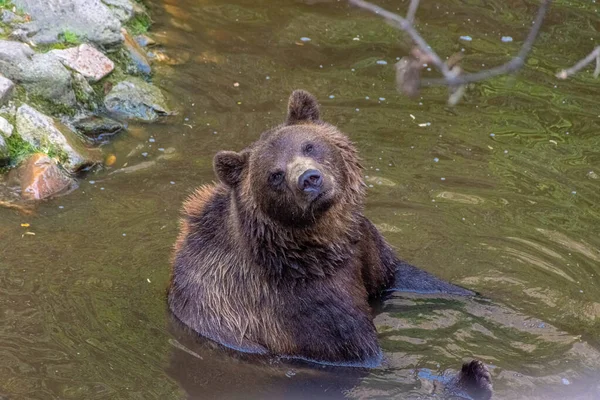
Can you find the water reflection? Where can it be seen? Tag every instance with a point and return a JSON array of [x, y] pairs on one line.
[[206, 370]]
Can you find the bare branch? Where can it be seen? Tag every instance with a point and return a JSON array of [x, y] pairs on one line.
[[407, 27], [512, 66], [594, 55], [412, 11], [450, 78]]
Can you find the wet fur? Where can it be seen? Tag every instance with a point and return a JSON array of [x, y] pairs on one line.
[[252, 284]]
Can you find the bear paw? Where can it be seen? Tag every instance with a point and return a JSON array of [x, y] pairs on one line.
[[475, 380]]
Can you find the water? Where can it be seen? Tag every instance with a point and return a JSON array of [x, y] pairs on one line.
[[499, 194]]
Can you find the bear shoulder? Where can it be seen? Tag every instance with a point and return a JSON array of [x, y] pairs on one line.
[[195, 206]]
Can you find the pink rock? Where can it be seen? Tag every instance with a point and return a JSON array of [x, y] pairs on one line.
[[86, 60], [41, 178]]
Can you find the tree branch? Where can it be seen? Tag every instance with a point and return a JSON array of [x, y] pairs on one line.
[[406, 26], [450, 78], [594, 55], [412, 11]]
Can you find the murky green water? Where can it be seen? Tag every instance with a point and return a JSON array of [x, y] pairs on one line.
[[514, 216]]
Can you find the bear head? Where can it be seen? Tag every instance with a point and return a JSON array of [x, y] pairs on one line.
[[298, 173], [296, 194]]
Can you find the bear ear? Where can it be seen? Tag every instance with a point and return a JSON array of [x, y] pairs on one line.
[[302, 107], [229, 166]]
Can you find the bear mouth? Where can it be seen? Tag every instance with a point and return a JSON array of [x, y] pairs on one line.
[[321, 197]]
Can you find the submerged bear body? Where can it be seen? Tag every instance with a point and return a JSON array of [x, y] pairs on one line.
[[231, 299], [278, 257]]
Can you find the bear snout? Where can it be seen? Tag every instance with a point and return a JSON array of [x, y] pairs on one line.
[[311, 181]]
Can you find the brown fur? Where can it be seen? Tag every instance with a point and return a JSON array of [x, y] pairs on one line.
[[194, 205], [261, 266], [256, 270]]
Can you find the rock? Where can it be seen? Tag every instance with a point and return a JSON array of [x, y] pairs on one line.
[[98, 128], [6, 90], [122, 9], [137, 55], [4, 156], [136, 99], [145, 41], [6, 129], [41, 74], [181, 58], [86, 60], [42, 132], [40, 178], [13, 56], [9, 110], [135, 168], [46, 77], [89, 19], [9, 17], [83, 91]]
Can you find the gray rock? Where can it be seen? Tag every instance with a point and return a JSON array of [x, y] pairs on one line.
[[145, 40], [40, 74], [136, 99], [22, 35], [86, 60], [13, 56], [89, 19], [9, 17], [98, 128], [122, 9], [9, 110], [6, 129], [44, 133], [3, 150], [46, 77], [140, 64], [84, 92], [6, 89]]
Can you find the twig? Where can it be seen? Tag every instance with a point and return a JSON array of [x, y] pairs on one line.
[[412, 10], [512, 66], [594, 55], [407, 27], [12, 206], [449, 78]]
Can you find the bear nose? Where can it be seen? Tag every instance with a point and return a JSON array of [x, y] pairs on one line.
[[311, 180]]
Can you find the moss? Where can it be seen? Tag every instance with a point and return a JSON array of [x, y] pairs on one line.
[[44, 48], [89, 100], [4, 32], [56, 153], [81, 96], [18, 148], [20, 96], [70, 38], [48, 107], [8, 5], [139, 24]]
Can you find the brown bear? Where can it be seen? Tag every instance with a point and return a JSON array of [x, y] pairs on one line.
[[278, 256]]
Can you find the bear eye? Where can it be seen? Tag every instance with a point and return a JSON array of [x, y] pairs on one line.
[[276, 177], [308, 148]]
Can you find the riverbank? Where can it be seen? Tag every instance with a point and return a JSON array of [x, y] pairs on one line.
[[73, 73]]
